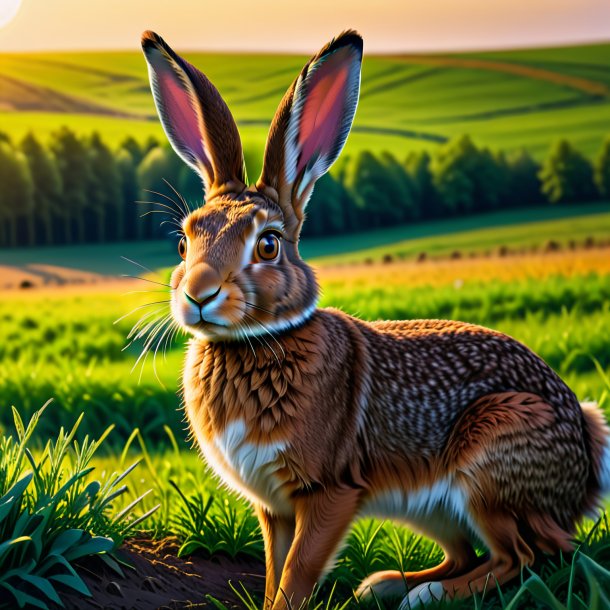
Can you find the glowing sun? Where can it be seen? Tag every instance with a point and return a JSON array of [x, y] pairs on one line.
[[8, 10]]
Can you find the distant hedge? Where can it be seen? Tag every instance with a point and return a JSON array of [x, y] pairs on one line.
[[76, 189]]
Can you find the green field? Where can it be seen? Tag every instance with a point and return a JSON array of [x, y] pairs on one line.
[[508, 100]]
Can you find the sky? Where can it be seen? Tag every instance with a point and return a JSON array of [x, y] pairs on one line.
[[275, 25]]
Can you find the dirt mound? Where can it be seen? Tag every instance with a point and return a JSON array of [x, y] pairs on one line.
[[161, 580]]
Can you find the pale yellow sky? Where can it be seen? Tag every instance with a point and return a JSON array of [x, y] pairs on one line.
[[387, 25]]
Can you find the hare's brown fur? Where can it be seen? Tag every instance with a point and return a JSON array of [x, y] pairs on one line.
[[318, 417]]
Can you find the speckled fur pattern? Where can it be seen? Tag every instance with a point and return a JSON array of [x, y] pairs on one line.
[[318, 417]]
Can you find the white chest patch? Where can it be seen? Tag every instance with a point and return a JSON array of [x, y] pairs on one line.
[[439, 510], [248, 468]]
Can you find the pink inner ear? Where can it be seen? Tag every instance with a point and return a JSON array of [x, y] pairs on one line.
[[323, 110], [181, 119]]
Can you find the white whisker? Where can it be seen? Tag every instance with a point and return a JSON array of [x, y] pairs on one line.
[[129, 260], [268, 332], [138, 308]]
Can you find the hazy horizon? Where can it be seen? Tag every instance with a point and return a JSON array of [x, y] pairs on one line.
[[391, 26], [257, 51]]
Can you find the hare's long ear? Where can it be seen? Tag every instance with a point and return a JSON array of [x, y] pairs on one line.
[[311, 125], [195, 118]]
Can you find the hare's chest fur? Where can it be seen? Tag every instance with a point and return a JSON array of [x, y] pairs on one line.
[[249, 468]]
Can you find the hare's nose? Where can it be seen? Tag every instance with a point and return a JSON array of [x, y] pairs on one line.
[[202, 285], [200, 301]]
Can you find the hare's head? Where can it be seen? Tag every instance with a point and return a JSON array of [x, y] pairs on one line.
[[241, 272]]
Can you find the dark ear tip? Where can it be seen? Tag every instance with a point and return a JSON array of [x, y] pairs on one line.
[[151, 39], [349, 38]]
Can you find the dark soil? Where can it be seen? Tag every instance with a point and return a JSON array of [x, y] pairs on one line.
[[162, 580]]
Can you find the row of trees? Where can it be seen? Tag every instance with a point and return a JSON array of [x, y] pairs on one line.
[[76, 190]]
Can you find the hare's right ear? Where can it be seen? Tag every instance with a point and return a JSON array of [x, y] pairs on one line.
[[195, 118], [311, 126]]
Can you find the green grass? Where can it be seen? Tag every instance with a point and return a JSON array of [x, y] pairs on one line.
[[67, 348], [53, 512], [407, 103]]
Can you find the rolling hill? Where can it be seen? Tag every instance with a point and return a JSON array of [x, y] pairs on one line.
[[507, 100]]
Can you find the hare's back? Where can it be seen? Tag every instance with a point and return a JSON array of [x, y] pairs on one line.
[[427, 372]]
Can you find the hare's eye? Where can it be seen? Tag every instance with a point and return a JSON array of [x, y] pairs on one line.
[[268, 246], [182, 247]]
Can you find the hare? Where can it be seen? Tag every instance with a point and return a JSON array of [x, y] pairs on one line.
[[317, 417]]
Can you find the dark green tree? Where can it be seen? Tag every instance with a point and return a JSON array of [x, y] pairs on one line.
[[602, 170], [133, 147], [492, 179], [16, 193], [129, 194], [452, 176], [567, 175], [159, 165], [399, 187], [104, 191], [47, 188], [339, 171], [524, 183], [417, 165], [73, 163], [466, 178], [151, 142], [190, 186], [324, 212], [365, 179]]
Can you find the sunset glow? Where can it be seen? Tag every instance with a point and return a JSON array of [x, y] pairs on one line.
[[271, 25]]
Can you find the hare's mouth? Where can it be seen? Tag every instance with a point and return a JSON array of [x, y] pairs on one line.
[[208, 330], [206, 324]]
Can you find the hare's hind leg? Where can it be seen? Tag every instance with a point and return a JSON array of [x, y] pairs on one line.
[[504, 449], [508, 554], [459, 559]]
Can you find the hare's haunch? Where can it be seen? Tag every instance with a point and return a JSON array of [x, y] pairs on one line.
[[318, 417]]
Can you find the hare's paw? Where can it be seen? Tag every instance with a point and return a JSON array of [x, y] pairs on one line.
[[422, 595], [386, 583]]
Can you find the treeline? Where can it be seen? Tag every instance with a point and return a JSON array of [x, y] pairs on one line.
[[75, 189]]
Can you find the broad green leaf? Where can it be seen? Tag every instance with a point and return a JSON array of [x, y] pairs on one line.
[[43, 585], [112, 563], [24, 599], [65, 540], [5, 547], [73, 581], [16, 491], [93, 546]]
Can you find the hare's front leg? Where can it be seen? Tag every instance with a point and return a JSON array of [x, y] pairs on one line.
[[321, 520], [278, 534]]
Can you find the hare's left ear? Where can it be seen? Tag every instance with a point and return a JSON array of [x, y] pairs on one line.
[[311, 125], [195, 118]]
